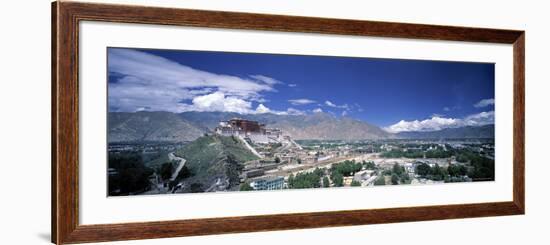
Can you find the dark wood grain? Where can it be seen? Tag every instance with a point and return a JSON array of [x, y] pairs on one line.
[[233, 20], [196, 227], [65, 121], [519, 122], [54, 123]]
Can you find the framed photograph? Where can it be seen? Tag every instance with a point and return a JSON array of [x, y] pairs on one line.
[[175, 122]]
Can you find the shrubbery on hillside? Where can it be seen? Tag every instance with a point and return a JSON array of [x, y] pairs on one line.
[[130, 176]]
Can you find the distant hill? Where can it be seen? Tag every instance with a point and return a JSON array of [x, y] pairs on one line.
[[486, 131], [188, 126], [326, 126], [150, 126], [215, 158], [310, 126], [207, 121]]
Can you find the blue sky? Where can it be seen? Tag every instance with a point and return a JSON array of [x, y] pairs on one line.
[[398, 95]]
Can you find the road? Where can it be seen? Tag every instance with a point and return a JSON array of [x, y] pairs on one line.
[[181, 163]]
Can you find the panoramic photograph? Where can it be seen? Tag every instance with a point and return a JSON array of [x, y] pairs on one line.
[[183, 121]]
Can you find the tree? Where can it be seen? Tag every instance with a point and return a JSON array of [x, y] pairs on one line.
[[461, 158], [306, 180], [172, 184], [484, 168], [437, 173], [462, 170], [291, 181], [355, 183], [132, 176], [246, 187], [381, 180], [196, 188], [338, 179], [397, 169], [438, 153], [370, 165], [394, 179], [326, 182], [401, 153], [134, 179], [453, 170], [436, 170], [319, 172], [166, 170], [346, 168], [423, 169], [184, 173]]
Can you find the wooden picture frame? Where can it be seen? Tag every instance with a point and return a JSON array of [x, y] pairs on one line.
[[65, 121]]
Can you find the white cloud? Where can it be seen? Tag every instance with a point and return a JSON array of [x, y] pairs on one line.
[[262, 109], [434, 123], [301, 101], [330, 104], [219, 102], [317, 110], [481, 118], [148, 81], [290, 111], [292, 85], [344, 113], [446, 109], [484, 103], [265, 79], [438, 123]]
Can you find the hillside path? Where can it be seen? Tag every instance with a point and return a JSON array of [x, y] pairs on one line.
[[181, 163], [249, 147]]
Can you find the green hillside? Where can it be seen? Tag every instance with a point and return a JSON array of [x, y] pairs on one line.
[[212, 157]]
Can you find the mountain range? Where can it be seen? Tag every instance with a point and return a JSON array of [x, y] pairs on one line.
[[468, 132], [150, 126], [188, 126]]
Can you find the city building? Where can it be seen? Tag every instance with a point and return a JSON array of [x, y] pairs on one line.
[[410, 167], [348, 180], [252, 130], [363, 175], [237, 126], [268, 183]]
